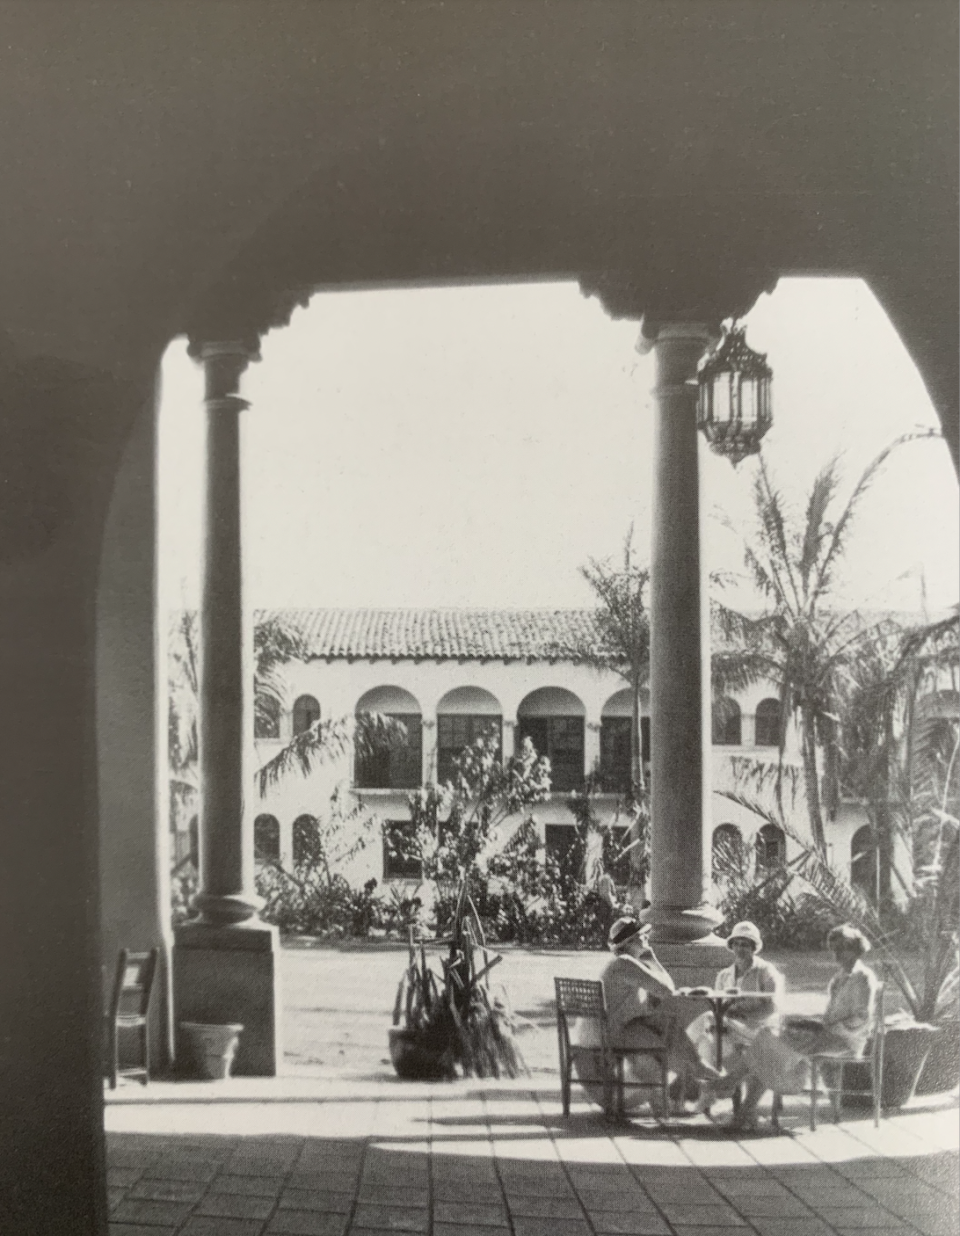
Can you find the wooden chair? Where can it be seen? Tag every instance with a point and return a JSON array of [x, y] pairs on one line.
[[870, 1060], [584, 998], [129, 1006]]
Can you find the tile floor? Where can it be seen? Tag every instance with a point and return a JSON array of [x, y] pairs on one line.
[[254, 1157]]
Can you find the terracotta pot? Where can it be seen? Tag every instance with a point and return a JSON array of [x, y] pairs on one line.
[[942, 1069], [210, 1049], [905, 1050], [417, 1060]]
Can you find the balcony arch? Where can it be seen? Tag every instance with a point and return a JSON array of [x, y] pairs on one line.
[[266, 838], [771, 846], [616, 755], [554, 719], [767, 723], [727, 725], [726, 848], [464, 715], [391, 761], [306, 710]]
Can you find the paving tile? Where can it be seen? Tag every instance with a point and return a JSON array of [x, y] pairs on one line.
[[900, 1230], [546, 1206], [708, 1231], [211, 1225], [702, 1216], [307, 1223], [123, 1177], [257, 1186], [791, 1227], [316, 1199], [181, 1169], [394, 1194], [531, 1226], [168, 1190], [142, 1210], [330, 1182], [236, 1206], [531, 1186], [614, 1199], [485, 1193], [477, 1214], [856, 1216], [114, 1197], [622, 1223], [393, 1218], [459, 1229], [138, 1229]]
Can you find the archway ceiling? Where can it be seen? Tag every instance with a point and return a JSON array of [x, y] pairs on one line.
[[187, 166]]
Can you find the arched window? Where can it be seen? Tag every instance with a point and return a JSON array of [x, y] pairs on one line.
[[304, 839], [266, 717], [388, 757], [771, 847], [863, 861], [266, 838], [553, 719], [306, 710], [726, 723], [463, 716], [768, 723], [727, 852]]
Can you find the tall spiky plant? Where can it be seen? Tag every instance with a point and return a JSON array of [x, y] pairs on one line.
[[802, 640]]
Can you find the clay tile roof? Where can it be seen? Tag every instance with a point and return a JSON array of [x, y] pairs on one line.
[[442, 634]]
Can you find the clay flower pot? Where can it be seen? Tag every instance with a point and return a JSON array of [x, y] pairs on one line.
[[416, 1060], [210, 1049]]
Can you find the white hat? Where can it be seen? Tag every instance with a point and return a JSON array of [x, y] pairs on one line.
[[749, 932]]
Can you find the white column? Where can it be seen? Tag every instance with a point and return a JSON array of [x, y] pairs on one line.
[[591, 747], [679, 651], [428, 750], [509, 737]]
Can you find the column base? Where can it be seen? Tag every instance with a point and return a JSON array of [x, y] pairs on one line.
[[695, 964], [231, 973], [682, 924]]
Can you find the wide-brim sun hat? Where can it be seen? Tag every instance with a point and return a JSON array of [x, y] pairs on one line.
[[749, 932], [627, 929]]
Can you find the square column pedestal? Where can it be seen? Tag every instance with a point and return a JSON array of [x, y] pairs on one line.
[[224, 974]]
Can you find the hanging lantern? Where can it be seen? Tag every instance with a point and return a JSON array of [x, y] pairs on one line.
[[735, 407]]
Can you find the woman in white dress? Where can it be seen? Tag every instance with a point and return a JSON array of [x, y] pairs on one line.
[[744, 1018], [781, 1064]]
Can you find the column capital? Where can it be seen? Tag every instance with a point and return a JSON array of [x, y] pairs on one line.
[[224, 362]]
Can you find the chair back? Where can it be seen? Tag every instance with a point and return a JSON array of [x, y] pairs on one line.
[[580, 998], [133, 983], [877, 1029]]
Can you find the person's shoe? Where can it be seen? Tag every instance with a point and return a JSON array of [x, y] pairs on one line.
[[705, 1099], [675, 1090], [746, 1120]]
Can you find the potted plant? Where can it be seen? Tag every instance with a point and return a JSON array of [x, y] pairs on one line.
[[452, 1020]]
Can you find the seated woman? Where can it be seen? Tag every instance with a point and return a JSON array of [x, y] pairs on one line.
[[744, 1018], [780, 1064], [642, 1011]]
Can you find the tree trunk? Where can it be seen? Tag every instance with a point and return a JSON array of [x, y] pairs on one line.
[[811, 780], [638, 784]]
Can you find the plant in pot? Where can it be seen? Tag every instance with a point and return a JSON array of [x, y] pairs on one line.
[[452, 1019]]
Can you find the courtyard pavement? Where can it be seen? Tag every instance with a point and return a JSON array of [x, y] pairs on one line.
[[300, 1154]]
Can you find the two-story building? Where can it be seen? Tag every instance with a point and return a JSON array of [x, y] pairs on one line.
[[450, 675]]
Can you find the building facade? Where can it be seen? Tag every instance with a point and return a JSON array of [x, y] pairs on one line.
[[450, 676]]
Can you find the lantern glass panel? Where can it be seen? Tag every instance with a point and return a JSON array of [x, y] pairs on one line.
[[748, 401], [721, 397]]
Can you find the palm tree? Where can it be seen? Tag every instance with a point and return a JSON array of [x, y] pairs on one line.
[[802, 640], [623, 626]]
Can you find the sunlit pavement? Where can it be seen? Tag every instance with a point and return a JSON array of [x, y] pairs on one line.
[[303, 1155]]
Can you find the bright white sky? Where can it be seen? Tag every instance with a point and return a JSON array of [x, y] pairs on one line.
[[474, 446]]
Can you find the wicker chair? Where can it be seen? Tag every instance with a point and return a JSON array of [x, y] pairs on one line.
[[584, 999]]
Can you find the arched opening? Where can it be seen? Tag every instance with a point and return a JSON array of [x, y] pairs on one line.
[[392, 760], [553, 719], [864, 865], [616, 742], [767, 722], [771, 845], [726, 723], [726, 852], [464, 715], [266, 838], [304, 839], [306, 711]]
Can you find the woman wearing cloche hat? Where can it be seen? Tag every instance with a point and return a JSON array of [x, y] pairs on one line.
[[642, 1010], [744, 1019]]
